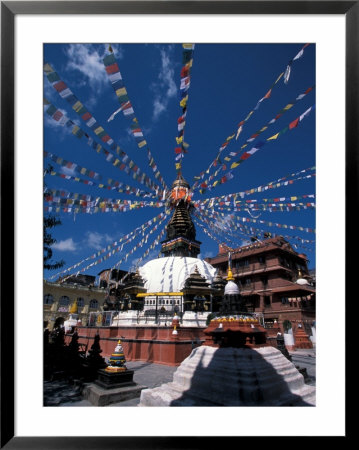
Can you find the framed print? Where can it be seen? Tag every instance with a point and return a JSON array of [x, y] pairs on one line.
[[58, 161]]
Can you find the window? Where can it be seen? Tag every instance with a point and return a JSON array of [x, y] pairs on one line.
[[265, 281], [48, 299], [261, 259], [248, 281], [285, 300], [93, 304], [242, 263], [64, 301], [80, 302]]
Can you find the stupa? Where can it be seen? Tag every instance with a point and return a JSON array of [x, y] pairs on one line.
[[234, 367], [72, 321], [178, 281]]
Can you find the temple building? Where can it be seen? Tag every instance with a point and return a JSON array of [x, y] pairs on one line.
[[275, 283], [62, 298], [266, 279], [178, 282]]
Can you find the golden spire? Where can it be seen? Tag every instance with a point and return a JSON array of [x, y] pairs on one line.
[[74, 309], [230, 274]]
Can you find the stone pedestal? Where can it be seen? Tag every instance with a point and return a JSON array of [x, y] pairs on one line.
[[100, 396], [108, 380], [112, 388]]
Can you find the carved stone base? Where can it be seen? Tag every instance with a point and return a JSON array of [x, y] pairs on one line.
[[108, 380]]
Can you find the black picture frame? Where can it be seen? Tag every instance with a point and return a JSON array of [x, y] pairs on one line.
[[9, 9]]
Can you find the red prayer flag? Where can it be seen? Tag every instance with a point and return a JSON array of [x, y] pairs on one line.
[[113, 68], [245, 156], [268, 94], [86, 116], [57, 116], [60, 86], [294, 124]]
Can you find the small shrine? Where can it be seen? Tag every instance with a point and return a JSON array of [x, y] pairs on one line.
[[234, 367]]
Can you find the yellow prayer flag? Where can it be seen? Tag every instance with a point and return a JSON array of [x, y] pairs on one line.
[[227, 158], [75, 129], [142, 144], [83, 171], [234, 165], [121, 91], [77, 106], [263, 129], [288, 106], [215, 183], [183, 102], [230, 137], [273, 137], [179, 139], [293, 198], [99, 130], [178, 166], [249, 115], [245, 145], [48, 68]]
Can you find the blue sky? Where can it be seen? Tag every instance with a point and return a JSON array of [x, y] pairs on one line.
[[227, 80]]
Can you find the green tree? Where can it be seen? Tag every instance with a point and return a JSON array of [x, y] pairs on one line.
[[50, 221]]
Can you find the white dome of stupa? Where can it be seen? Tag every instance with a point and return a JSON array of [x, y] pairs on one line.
[[231, 288], [302, 281], [169, 274]]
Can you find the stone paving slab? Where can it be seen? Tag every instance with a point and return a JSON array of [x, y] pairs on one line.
[[146, 374], [153, 375]]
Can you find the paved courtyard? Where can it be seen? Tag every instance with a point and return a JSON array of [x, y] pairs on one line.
[[60, 393]]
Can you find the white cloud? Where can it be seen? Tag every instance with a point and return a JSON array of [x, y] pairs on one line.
[[97, 240], [67, 245], [165, 88], [88, 60]]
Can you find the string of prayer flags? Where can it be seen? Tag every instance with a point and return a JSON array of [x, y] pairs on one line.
[[271, 207], [115, 78], [142, 227], [247, 154], [185, 81], [65, 92], [116, 186], [254, 136], [230, 228], [120, 160], [72, 166], [142, 242], [64, 197], [289, 66], [114, 251], [228, 222], [151, 247], [274, 224]]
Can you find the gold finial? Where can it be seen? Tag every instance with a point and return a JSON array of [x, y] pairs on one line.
[[74, 309], [230, 275]]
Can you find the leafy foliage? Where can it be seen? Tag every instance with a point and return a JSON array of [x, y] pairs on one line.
[[50, 221]]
